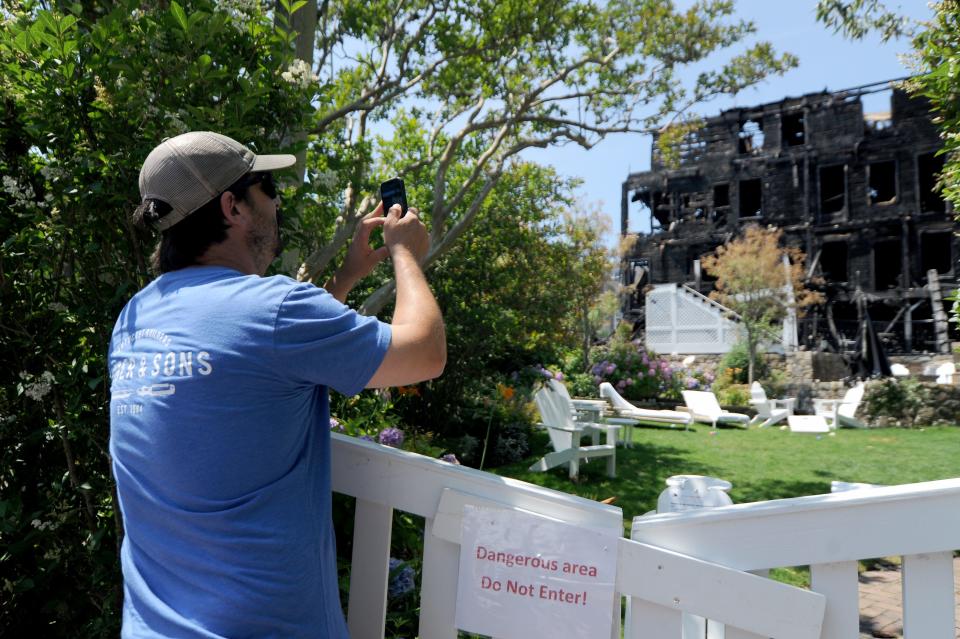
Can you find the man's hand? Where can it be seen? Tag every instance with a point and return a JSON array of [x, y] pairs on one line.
[[361, 258], [405, 233]]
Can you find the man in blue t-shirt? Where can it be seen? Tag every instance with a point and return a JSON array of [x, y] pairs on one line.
[[219, 415]]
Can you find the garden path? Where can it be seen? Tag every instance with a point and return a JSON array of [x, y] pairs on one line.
[[881, 611]]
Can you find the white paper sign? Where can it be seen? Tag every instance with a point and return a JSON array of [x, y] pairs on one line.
[[527, 577]]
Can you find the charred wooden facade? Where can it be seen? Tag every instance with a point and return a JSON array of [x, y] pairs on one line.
[[854, 191]]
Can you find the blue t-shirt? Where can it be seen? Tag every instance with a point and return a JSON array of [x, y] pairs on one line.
[[219, 432]]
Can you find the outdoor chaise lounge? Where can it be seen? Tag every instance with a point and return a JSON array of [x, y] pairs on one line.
[[623, 408], [705, 408]]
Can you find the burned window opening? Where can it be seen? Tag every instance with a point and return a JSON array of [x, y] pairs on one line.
[[793, 129], [929, 166], [721, 204], [750, 136], [751, 198], [887, 264], [882, 187], [833, 261], [936, 252], [833, 188], [721, 195], [877, 110]]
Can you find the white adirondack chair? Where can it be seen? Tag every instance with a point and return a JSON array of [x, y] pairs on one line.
[[769, 411], [565, 435], [589, 414], [625, 409], [945, 373], [841, 413], [705, 408]]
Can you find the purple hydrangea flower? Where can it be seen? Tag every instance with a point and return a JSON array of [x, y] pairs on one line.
[[629, 381], [559, 376], [597, 379], [391, 437], [622, 384], [401, 579], [610, 368], [335, 424], [651, 372], [450, 458], [692, 383]]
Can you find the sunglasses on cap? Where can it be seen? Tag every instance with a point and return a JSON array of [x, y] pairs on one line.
[[264, 179]]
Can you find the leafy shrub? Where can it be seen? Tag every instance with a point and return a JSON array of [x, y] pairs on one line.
[[581, 385], [638, 373], [634, 371], [894, 401], [734, 395], [735, 364]]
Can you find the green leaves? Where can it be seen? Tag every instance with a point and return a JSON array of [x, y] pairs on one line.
[[177, 11]]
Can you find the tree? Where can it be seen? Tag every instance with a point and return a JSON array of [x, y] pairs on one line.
[[589, 270], [504, 76], [935, 61], [760, 281]]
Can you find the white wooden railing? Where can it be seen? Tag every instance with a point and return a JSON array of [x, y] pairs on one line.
[[693, 562], [830, 533]]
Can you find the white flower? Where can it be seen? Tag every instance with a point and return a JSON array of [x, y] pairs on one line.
[[22, 195], [299, 74], [326, 180], [40, 388]]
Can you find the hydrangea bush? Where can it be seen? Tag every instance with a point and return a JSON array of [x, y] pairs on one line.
[[638, 373]]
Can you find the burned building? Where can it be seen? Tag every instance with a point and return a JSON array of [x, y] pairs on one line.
[[854, 191]]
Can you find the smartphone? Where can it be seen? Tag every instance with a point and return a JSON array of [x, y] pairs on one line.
[[393, 192]]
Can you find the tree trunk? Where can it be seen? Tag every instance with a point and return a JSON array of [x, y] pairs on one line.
[[304, 23], [752, 352], [585, 317]]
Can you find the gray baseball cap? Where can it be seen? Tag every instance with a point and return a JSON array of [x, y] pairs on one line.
[[189, 170]]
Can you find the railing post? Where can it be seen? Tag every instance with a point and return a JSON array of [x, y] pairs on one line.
[[838, 583], [438, 590], [928, 596], [369, 570], [652, 620]]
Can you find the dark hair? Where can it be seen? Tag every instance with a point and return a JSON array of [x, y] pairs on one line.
[[184, 242]]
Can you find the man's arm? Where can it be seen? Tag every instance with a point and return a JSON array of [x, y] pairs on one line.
[[361, 257], [418, 347]]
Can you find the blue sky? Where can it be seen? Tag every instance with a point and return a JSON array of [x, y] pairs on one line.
[[827, 61]]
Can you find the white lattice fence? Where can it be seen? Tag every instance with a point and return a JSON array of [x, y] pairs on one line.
[[679, 320]]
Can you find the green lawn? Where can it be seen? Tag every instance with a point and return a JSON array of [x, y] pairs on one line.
[[760, 463]]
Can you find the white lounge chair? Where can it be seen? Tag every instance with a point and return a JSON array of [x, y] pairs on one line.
[[841, 413], [769, 411], [565, 435], [705, 408], [625, 409]]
